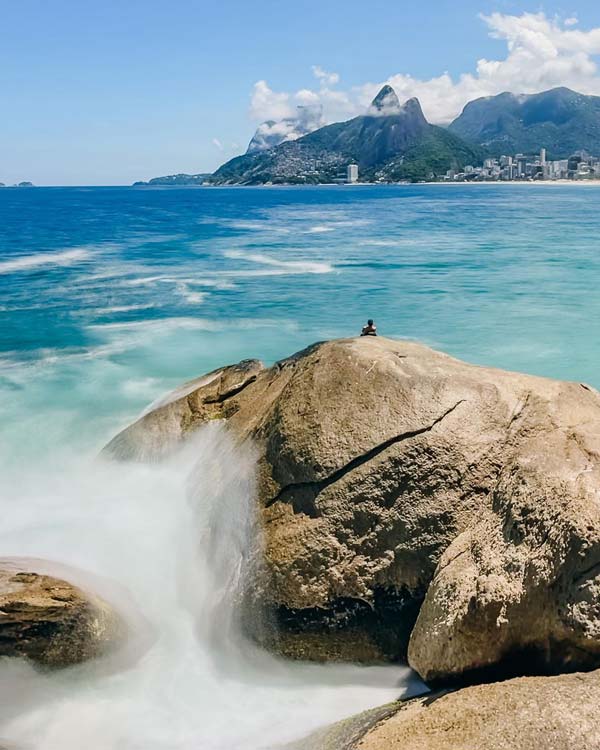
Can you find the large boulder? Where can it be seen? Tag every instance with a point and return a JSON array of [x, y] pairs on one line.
[[537, 713], [50, 621], [390, 475]]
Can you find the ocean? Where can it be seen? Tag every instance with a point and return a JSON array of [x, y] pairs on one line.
[[110, 297]]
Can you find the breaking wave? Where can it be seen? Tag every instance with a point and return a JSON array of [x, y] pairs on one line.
[[176, 537]]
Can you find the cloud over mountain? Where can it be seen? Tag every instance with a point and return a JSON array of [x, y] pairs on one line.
[[542, 52], [271, 133]]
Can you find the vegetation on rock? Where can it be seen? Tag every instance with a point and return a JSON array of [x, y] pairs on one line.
[[560, 120]]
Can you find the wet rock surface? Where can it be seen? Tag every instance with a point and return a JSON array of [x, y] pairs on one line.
[[50, 621]]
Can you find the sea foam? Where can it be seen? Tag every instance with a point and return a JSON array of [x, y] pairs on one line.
[[176, 535], [28, 262], [284, 266]]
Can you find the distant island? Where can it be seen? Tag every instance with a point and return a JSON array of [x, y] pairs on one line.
[[552, 135], [176, 179], [18, 184]]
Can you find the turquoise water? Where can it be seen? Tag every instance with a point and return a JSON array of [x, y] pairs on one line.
[[111, 296]]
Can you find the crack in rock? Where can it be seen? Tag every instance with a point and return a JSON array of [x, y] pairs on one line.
[[221, 397], [317, 486]]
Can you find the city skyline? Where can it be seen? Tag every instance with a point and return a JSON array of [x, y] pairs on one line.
[[520, 167]]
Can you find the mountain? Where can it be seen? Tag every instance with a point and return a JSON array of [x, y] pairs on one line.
[[175, 179], [391, 142], [385, 103], [560, 120], [273, 132]]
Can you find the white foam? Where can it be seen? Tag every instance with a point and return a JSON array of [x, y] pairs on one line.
[[259, 226], [320, 229], [213, 283], [353, 223], [140, 387], [120, 309], [381, 243], [28, 262], [127, 336], [217, 284], [182, 391], [177, 536], [287, 266], [160, 325], [337, 224], [194, 298], [143, 280]]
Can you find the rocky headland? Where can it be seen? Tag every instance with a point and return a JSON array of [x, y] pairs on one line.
[[413, 507]]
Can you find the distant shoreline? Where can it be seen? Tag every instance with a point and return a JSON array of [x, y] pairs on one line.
[[547, 183], [554, 183], [544, 183], [504, 183]]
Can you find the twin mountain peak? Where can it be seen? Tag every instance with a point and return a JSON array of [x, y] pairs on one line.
[[393, 141], [387, 103]]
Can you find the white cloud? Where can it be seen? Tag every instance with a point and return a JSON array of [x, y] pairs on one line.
[[541, 53], [216, 142], [326, 78], [307, 97], [266, 104], [308, 117]]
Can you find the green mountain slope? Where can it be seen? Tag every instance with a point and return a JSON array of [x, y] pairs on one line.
[[560, 120], [391, 142]]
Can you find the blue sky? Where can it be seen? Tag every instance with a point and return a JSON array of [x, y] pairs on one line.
[[110, 92]]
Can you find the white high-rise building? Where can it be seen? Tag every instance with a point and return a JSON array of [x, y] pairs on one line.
[[543, 157], [352, 173]]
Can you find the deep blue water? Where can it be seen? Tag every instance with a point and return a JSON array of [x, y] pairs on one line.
[[130, 291]]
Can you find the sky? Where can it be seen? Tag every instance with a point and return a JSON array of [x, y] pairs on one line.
[[113, 91]]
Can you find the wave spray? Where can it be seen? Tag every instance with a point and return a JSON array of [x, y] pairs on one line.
[[167, 544]]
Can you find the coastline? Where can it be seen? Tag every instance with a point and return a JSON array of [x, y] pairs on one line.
[[543, 183], [547, 183], [553, 183]]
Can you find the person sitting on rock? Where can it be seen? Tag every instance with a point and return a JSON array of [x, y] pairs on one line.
[[370, 329]]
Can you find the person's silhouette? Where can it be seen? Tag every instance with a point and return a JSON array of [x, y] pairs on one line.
[[370, 329]]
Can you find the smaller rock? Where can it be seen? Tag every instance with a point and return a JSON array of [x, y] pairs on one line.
[[536, 713], [52, 622]]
